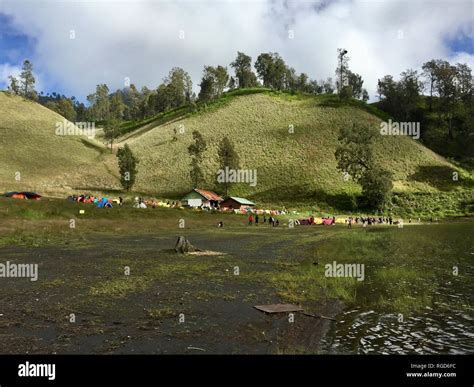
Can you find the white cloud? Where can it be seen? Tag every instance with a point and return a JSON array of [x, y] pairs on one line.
[[140, 40], [463, 57], [5, 71]]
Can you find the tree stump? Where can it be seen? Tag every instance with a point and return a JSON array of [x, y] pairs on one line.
[[183, 246]]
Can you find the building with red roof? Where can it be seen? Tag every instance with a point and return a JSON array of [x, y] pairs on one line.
[[201, 198]]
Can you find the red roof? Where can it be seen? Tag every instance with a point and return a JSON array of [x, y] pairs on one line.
[[209, 195]]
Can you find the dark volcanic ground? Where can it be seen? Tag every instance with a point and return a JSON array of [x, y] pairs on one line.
[[140, 313]]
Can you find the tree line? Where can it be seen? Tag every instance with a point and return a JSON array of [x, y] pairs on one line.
[[176, 90], [440, 97]]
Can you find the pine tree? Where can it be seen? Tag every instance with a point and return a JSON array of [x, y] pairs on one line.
[[196, 150], [111, 131], [127, 166], [229, 158], [27, 80]]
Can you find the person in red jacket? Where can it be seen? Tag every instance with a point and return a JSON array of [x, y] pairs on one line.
[[250, 219]]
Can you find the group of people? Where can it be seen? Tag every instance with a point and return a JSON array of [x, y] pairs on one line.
[[272, 221], [370, 220]]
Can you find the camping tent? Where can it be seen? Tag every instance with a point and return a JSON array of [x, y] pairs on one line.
[[23, 195], [104, 202]]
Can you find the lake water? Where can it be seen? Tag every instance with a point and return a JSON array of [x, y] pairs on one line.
[[445, 326]]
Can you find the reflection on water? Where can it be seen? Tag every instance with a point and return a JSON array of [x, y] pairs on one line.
[[429, 332], [445, 326]]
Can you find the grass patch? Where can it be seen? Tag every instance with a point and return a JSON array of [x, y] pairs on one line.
[[121, 287], [160, 313]]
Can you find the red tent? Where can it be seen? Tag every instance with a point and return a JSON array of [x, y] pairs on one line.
[[23, 195]]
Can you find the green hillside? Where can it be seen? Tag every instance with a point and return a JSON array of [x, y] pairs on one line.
[[47, 163], [292, 168]]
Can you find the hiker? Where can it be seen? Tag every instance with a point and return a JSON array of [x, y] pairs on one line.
[[277, 223], [120, 200], [221, 224], [264, 219], [256, 220], [350, 223], [250, 219], [390, 220]]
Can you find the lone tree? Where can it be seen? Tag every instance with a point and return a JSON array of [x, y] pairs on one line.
[[229, 158], [429, 72], [127, 167], [111, 132], [196, 150], [14, 87], [355, 156], [27, 81], [349, 84], [342, 70]]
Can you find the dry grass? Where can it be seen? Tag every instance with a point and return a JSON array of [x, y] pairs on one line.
[[47, 163], [296, 169], [288, 165]]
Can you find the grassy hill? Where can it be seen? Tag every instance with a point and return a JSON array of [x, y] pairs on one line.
[[292, 168], [47, 163]]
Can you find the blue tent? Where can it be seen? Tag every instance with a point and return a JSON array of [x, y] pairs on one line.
[[102, 203]]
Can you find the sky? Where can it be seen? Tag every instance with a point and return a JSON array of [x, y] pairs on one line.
[[75, 45]]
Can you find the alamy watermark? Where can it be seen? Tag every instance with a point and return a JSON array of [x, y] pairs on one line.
[[229, 175], [66, 128], [390, 128], [37, 370], [348, 270], [19, 270]]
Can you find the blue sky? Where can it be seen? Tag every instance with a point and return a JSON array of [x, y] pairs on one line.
[[14, 45], [461, 43], [119, 40]]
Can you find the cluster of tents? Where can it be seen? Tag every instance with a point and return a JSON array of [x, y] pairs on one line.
[[98, 202], [325, 221], [141, 203], [255, 211], [23, 195]]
